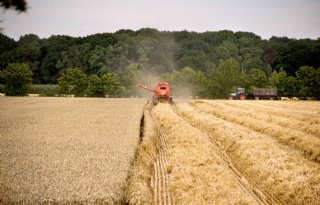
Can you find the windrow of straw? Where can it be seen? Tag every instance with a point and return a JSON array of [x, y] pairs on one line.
[[280, 173], [197, 173], [139, 189], [308, 144], [272, 118], [302, 106], [310, 118]]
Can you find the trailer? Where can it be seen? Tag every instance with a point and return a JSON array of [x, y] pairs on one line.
[[265, 93]]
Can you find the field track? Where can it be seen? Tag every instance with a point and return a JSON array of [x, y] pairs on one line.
[[161, 193]]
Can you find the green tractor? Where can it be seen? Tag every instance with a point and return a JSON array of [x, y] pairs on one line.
[[240, 94]]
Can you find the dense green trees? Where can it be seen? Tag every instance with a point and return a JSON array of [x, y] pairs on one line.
[[17, 78], [75, 81], [258, 78], [222, 60], [308, 80]]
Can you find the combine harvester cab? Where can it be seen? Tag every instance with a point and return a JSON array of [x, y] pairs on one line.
[[160, 94]]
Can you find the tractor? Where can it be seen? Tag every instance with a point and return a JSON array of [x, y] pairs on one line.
[[240, 94], [160, 94]]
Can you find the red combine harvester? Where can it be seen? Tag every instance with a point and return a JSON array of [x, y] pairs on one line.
[[160, 94]]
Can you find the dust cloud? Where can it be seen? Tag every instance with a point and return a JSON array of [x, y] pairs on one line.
[[149, 79]]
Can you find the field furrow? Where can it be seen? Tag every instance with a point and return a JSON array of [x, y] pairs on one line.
[[198, 175], [161, 192], [143, 183], [280, 173], [309, 145], [157, 197], [165, 165]]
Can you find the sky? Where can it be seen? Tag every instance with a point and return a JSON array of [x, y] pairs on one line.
[[266, 18]]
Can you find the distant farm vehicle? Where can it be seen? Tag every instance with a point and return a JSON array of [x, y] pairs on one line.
[[160, 94], [240, 94], [264, 93]]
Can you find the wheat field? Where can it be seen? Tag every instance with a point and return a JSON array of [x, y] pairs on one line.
[[67, 150], [127, 151]]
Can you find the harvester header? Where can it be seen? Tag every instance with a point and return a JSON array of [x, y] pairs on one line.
[[145, 87]]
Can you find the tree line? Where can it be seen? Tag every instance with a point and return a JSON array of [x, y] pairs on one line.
[[208, 64]]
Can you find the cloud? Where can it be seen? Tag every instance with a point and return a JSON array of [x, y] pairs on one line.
[[292, 18]]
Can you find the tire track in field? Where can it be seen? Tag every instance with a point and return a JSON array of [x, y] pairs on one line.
[[244, 180], [161, 193]]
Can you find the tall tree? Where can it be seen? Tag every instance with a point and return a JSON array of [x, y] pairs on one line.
[[258, 78], [73, 81], [17, 78], [307, 80], [112, 84], [53, 48], [76, 56], [224, 78]]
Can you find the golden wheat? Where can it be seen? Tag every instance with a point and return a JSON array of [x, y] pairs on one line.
[[67, 150]]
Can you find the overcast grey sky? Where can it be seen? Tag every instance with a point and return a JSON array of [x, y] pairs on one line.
[[266, 18]]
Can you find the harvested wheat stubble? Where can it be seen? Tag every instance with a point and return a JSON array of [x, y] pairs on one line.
[[260, 114], [67, 150], [308, 144], [197, 174], [281, 173], [300, 106], [308, 118]]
